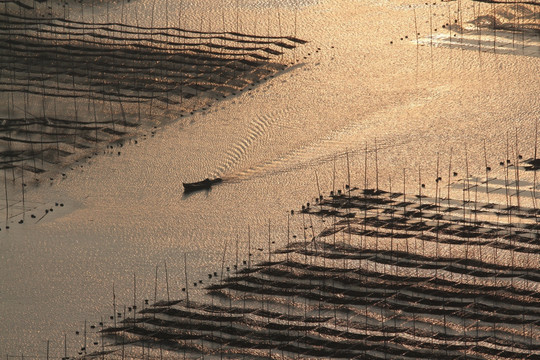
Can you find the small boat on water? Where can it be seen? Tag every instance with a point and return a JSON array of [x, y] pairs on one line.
[[201, 185]]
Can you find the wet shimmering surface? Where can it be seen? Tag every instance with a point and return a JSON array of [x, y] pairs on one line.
[[126, 214]]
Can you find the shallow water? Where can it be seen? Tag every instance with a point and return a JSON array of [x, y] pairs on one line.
[[126, 214]]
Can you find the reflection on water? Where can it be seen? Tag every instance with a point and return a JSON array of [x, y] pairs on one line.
[[288, 138]]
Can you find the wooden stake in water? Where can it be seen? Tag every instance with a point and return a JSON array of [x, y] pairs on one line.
[[348, 173], [535, 157], [437, 185], [334, 177], [269, 243], [376, 168], [420, 206], [6, 194], [449, 176], [236, 254], [249, 247], [186, 277], [318, 187], [467, 174], [365, 169], [517, 170], [488, 169], [507, 175], [114, 304]]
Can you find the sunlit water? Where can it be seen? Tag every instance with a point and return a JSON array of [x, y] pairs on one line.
[[275, 145]]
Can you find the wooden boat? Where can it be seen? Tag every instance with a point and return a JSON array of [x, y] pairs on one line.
[[201, 185]]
